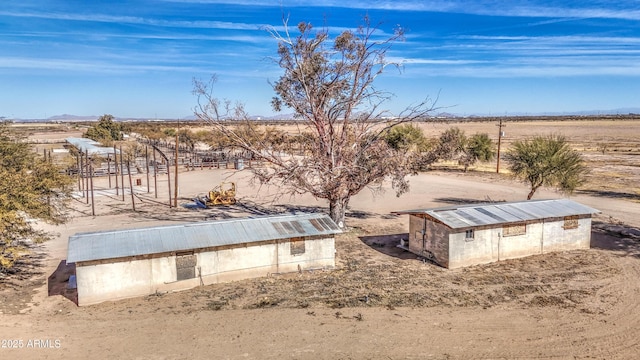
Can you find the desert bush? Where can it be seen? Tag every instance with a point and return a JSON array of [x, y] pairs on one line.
[[546, 161]]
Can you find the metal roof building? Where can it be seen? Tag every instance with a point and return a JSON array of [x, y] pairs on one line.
[[161, 239], [117, 264], [90, 146], [472, 215], [462, 235]]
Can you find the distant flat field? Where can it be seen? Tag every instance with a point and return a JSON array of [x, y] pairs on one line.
[[576, 131], [587, 133]]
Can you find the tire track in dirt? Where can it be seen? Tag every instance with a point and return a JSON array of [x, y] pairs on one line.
[[624, 314], [548, 332]]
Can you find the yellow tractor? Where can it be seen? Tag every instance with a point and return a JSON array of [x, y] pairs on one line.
[[223, 194]]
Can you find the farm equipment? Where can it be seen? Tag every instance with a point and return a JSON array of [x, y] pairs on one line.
[[223, 194]]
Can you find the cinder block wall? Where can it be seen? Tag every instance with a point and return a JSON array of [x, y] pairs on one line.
[[436, 243], [119, 279]]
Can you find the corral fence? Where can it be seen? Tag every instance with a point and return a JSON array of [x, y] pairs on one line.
[[191, 158], [188, 159]]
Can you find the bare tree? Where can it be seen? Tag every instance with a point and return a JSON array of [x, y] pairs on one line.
[[329, 84]]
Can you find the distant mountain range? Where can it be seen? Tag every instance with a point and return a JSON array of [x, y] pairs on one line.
[[442, 115], [620, 111]]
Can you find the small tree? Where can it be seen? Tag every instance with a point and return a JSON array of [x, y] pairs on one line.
[[105, 131], [407, 137], [30, 188], [546, 161], [478, 147], [186, 137], [329, 85], [451, 144]]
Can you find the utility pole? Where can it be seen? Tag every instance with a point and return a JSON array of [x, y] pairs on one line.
[[500, 135]]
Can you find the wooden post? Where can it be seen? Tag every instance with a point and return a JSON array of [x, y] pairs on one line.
[[146, 160], [87, 173], [122, 172], [133, 202], [80, 163], [115, 166], [93, 200], [155, 174], [109, 169]]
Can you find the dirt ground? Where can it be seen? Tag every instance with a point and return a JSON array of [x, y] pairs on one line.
[[379, 302]]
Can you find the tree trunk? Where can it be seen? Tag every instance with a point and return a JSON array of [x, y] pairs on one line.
[[337, 208], [533, 190]]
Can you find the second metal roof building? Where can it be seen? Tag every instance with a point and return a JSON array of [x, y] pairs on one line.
[[467, 216]]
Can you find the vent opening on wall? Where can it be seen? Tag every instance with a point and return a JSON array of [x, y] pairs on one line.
[[186, 266], [514, 229], [570, 222], [297, 246]]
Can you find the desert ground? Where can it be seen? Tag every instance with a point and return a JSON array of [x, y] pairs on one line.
[[380, 302]]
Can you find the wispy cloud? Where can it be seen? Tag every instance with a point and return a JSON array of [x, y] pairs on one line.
[[534, 45], [238, 38], [204, 24], [516, 8], [17, 63], [525, 56], [424, 61], [520, 67]]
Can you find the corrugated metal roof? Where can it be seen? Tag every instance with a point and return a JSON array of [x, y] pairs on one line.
[[465, 216], [190, 236], [91, 146]]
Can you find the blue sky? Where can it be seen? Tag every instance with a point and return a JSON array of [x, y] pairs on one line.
[[138, 58]]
